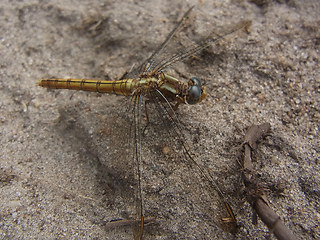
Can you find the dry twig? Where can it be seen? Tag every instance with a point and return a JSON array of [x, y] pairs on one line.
[[254, 191]]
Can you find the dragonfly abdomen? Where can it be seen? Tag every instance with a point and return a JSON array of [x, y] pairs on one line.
[[122, 87]]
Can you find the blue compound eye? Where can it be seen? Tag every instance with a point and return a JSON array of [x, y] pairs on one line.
[[194, 92]]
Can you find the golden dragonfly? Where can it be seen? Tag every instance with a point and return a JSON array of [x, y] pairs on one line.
[[150, 81]]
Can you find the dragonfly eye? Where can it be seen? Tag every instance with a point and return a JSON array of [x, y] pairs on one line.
[[194, 92]]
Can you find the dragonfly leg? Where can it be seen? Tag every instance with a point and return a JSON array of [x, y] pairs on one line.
[[176, 105]]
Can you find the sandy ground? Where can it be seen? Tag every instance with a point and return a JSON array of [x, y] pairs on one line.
[[63, 169]]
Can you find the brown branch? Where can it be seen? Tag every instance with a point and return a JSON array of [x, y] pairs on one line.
[[254, 190]]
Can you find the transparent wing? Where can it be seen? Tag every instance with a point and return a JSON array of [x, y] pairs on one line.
[[148, 64], [164, 181], [172, 50], [171, 173], [191, 50]]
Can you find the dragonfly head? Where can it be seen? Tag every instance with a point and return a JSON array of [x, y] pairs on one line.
[[196, 92]]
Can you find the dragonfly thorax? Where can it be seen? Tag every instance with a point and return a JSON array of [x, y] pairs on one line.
[[177, 91]]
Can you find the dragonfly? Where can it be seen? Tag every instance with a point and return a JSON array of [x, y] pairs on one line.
[[149, 82]]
